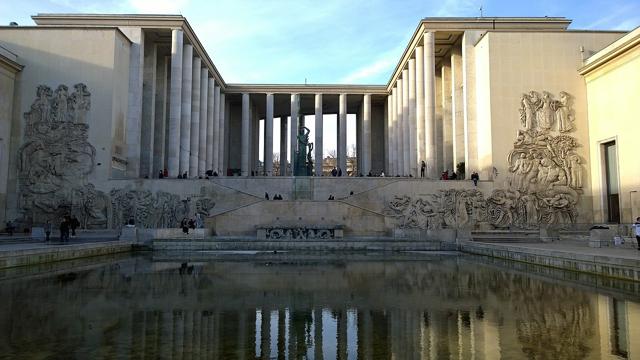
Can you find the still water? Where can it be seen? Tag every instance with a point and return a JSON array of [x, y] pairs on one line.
[[412, 306]]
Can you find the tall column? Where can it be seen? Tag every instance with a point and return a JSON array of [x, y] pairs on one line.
[[222, 123], [204, 119], [268, 137], [319, 125], [420, 105], [159, 128], [245, 136], [134, 108], [413, 136], [366, 134], [293, 129], [185, 119], [283, 145], [175, 105], [342, 134], [447, 133], [389, 149], [148, 109], [430, 103], [457, 107], [195, 118], [406, 126], [212, 106], [399, 129]]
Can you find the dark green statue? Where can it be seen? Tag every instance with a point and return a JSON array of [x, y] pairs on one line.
[[304, 163]]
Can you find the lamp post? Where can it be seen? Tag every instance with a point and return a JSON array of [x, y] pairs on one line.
[[631, 204]]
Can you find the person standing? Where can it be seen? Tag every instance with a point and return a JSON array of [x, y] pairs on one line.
[[636, 225], [47, 230], [475, 178], [339, 172], [184, 224], [423, 167], [64, 229]]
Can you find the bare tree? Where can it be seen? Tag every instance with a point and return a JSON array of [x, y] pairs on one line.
[[352, 151], [333, 153]]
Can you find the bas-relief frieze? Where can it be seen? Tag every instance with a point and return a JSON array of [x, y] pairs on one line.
[[543, 186], [56, 159], [159, 210]]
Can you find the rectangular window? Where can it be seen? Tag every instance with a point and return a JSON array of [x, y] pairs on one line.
[[611, 179]]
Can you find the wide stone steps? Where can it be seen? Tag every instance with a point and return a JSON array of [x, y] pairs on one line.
[[238, 244], [506, 236]]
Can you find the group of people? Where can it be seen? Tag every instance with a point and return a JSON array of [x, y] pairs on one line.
[[197, 223], [162, 174], [67, 223], [275, 197]]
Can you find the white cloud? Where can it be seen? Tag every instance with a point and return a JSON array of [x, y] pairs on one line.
[[158, 6], [383, 64]]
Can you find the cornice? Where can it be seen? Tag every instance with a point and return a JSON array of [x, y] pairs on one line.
[[609, 53], [307, 89]]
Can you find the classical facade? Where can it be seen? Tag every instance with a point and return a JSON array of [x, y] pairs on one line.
[[95, 107]]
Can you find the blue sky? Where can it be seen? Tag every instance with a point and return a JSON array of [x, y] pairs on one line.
[[323, 41], [329, 41]]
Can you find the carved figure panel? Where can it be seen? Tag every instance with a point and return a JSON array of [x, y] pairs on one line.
[[56, 158]]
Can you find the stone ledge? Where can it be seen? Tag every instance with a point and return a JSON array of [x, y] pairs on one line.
[[51, 253], [615, 267]]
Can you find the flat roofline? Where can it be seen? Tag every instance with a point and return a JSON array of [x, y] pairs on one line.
[[611, 51], [307, 88], [155, 21], [61, 27]]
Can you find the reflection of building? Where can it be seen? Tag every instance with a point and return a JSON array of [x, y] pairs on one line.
[[434, 308]]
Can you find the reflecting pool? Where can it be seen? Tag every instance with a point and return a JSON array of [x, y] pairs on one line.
[[314, 306]]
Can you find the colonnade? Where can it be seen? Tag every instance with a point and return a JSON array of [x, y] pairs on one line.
[[411, 114]]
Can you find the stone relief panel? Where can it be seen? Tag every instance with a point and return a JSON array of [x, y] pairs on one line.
[[543, 186], [56, 159], [159, 210]]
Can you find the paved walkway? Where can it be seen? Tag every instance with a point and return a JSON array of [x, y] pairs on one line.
[[577, 248]]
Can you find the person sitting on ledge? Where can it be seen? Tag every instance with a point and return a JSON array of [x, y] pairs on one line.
[[184, 224], [339, 172], [331, 197], [179, 176], [160, 175], [165, 173], [453, 176], [184, 176], [334, 171], [266, 195], [215, 173]]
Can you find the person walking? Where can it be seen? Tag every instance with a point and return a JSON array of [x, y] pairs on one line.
[[636, 225], [423, 167], [475, 178], [10, 228], [64, 230], [184, 224], [74, 224], [47, 230]]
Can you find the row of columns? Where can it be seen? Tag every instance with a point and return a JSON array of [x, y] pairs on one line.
[[195, 135], [246, 134], [411, 115]]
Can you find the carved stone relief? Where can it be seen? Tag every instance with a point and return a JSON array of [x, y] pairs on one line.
[[543, 186], [159, 210], [56, 158]]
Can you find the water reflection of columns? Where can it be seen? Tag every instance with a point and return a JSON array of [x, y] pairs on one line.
[[364, 335], [281, 334], [341, 334], [317, 334], [178, 334]]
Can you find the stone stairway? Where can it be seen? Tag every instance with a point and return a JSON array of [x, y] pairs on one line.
[[252, 244], [506, 236]]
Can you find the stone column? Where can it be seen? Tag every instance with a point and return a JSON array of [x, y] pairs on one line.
[[185, 119], [195, 118], [413, 129], [245, 136], [134, 107], [211, 122], [204, 119], [268, 137], [342, 134], [406, 126], [447, 132], [400, 145], [160, 128], [457, 107], [318, 143], [175, 104], [366, 135], [212, 144], [148, 109], [420, 106], [293, 130], [283, 146], [222, 123], [389, 137], [430, 103]]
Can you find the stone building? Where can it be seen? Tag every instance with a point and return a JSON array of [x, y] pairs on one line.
[[94, 107]]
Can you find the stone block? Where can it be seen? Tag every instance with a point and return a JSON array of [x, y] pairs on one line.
[[37, 233], [601, 237], [128, 233]]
